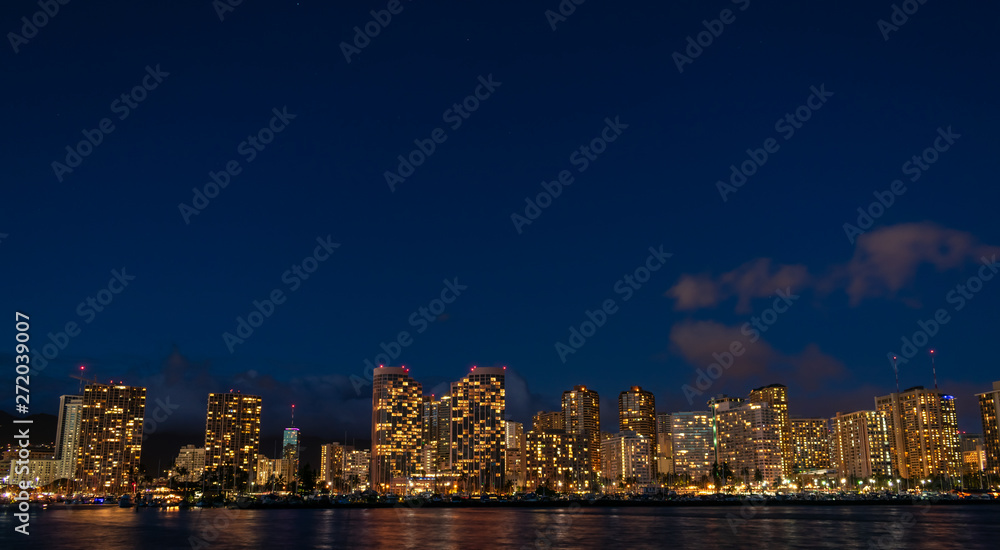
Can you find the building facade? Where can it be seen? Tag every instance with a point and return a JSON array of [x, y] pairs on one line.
[[627, 461], [637, 413], [581, 409], [776, 395], [923, 429], [692, 440], [810, 444], [68, 435], [110, 438], [989, 410], [192, 459], [396, 426], [861, 447], [478, 431], [232, 437], [558, 460], [748, 440]]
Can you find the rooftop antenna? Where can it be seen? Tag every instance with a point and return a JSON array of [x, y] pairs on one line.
[[934, 369], [293, 416], [895, 368]]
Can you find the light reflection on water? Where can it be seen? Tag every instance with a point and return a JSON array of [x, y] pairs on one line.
[[932, 527]]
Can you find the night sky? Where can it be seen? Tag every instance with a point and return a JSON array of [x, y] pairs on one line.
[[636, 130]]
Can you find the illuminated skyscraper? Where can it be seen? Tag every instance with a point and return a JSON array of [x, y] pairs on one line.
[[331, 470], [989, 409], [290, 454], [748, 438], [664, 444], [627, 460], [68, 435], [396, 426], [923, 429], [110, 437], [777, 396], [477, 428], [436, 433], [861, 445], [692, 437], [516, 448], [558, 460], [232, 436], [637, 413], [582, 415], [810, 444]]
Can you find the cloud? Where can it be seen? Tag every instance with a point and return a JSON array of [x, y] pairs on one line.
[[754, 279], [885, 261], [702, 343]]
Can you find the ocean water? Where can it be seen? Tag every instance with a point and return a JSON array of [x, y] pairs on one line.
[[760, 527]]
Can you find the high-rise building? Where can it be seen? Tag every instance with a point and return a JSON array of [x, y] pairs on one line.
[[692, 437], [860, 446], [989, 409], [290, 454], [357, 468], [558, 460], [923, 429], [777, 396], [436, 434], [516, 449], [396, 426], [110, 437], [68, 435], [192, 459], [664, 445], [232, 437], [582, 415], [331, 470], [266, 472], [477, 428], [627, 460], [637, 413], [749, 439], [810, 444], [545, 420], [973, 453]]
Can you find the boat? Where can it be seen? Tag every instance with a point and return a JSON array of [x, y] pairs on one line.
[[125, 501]]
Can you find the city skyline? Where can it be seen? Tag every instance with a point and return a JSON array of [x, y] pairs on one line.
[[916, 427]]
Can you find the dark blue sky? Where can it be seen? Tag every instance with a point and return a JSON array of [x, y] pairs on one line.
[[323, 175]]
